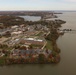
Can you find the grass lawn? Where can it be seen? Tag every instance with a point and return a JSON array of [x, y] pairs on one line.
[[10, 48], [39, 34], [35, 46], [48, 45]]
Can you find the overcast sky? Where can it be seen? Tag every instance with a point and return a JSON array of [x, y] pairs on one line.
[[37, 4]]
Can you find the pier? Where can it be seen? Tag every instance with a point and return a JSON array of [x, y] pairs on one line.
[[62, 31], [66, 30]]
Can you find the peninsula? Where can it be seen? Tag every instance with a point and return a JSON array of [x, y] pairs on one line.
[[29, 42]]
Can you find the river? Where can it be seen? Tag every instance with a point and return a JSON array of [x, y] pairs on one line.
[[67, 65]]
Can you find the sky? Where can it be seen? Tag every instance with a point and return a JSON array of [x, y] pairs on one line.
[[37, 4]]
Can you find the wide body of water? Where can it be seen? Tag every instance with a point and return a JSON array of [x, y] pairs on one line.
[[67, 65]]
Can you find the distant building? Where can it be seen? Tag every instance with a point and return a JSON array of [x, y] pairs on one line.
[[16, 33], [33, 41], [1, 23], [14, 27]]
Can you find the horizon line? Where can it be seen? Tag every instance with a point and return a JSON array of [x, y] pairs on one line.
[[37, 10]]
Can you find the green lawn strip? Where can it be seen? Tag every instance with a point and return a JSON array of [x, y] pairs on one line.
[[10, 48], [39, 34], [49, 45]]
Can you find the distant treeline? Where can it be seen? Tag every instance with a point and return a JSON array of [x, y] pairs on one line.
[[36, 13], [6, 21]]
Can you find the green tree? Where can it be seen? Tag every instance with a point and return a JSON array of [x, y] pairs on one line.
[[42, 58]]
